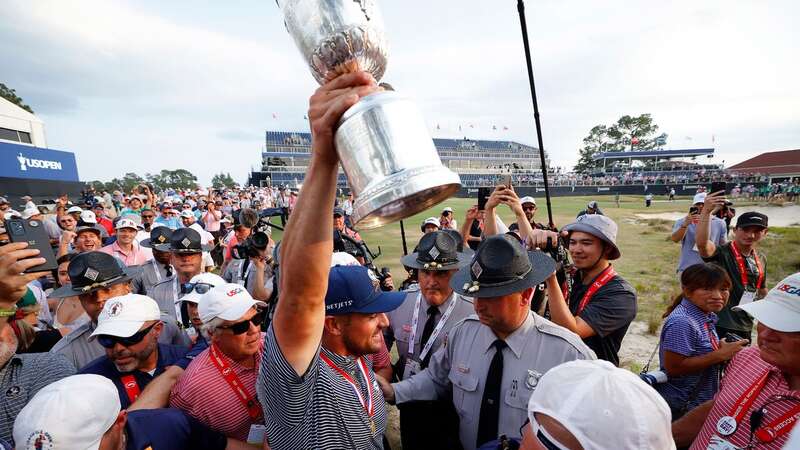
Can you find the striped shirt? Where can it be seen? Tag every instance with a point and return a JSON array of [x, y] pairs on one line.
[[744, 369], [21, 378], [688, 332], [205, 395], [318, 410]]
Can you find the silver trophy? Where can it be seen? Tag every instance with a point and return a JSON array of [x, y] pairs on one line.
[[387, 155]]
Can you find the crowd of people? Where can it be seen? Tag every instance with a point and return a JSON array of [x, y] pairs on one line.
[[174, 320]]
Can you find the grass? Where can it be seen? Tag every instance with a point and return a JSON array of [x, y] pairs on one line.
[[649, 258]]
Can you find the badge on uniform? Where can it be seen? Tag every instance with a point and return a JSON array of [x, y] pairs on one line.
[[412, 367], [532, 379], [462, 368]]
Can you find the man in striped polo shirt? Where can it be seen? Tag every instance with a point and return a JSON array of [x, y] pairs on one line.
[[316, 387]]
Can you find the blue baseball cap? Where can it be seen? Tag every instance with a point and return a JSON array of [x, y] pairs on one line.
[[354, 289]]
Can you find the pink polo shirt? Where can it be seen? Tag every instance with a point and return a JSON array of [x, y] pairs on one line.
[[205, 395], [137, 257]]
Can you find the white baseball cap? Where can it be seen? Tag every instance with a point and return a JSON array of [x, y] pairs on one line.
[[123, 316], [74, 209], [700, 197], [780, 309], [126, 223], [187, 213], [29, 212], [527, 199], [228, 302], [343, 259], [207, 278], [591, 399], [430, 221], [73, 412], [447, 209], [88, 216]]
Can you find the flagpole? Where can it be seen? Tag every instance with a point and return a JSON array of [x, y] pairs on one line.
[[524, 27]]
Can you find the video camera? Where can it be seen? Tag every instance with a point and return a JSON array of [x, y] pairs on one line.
[[359, 249], [254, 245]]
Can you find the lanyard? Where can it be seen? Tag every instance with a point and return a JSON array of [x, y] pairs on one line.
[[235, 383], [712, 337], [743, 269], [243, 274], [436, 331], [605, 276], [131, 387], [368, 406], [772, 430]]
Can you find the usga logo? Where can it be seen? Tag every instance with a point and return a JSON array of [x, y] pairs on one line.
[[24, 163], [789, 289]]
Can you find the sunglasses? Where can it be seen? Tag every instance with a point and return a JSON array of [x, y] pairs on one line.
[[244, 326], [110, 341], [199, 287], [526, 208]]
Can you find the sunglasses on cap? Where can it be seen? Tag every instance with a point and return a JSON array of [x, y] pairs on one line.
[[244, 326], [199, 287], [544, 439], [108, 341]]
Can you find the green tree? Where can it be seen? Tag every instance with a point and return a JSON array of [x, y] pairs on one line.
[[627, 134], [223, 180], [11, 95], [174, 179]]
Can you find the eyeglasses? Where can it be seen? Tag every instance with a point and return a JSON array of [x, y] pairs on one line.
[[244, 326], [199, 287], [110, 341]]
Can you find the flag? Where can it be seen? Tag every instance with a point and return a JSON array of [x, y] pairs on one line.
[[438, 127], [305, 116], [713, 138], [274, 115], [634, 140], [459, 128]]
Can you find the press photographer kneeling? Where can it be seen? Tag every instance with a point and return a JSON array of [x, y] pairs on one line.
[[251, 266]]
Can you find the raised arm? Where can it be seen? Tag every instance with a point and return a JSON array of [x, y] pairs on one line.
[[308, 243], [705, 247]]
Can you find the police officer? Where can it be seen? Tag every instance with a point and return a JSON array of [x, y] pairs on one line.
[[96, 277], [187, 259], [159, 268], [491, 362], [419, 326]]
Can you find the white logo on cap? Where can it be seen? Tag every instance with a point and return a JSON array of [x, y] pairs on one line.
[[115, 309], [91, 274], [186, 242]]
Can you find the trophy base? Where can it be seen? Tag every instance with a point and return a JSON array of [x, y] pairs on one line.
[[404, 194]]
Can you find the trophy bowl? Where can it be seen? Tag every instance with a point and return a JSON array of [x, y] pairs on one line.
[[387, 155]]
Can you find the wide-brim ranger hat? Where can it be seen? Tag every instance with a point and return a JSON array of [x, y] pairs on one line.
[[159, 239], [780, 309], [91, 271], [186, 240], [436, 251], [355, 289], [502, 266], [600, 227]]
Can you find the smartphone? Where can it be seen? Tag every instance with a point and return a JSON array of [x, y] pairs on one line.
[[33, 232], [507, 180], [730, 337], [694, 210], [483, 197], [718, 186]]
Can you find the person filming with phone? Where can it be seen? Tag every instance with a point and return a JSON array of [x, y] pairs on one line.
[[685, 230], [740, 258]]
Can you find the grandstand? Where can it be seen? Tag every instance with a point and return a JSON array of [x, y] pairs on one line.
[[286, 157]]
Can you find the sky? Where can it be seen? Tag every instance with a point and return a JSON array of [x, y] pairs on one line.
[[140, 86]]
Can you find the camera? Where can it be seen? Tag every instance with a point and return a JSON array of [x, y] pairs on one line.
[[654, 377]]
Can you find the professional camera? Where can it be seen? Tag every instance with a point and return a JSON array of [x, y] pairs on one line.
[[254, 245], [360, 251]]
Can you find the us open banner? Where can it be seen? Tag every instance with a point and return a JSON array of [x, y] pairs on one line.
[[23, 161]]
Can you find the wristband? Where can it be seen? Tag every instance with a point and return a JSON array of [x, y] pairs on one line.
[[8, 312]]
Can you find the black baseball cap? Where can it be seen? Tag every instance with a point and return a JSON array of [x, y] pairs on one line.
[[752, 219]]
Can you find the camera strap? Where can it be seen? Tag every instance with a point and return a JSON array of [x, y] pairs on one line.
[[244, 272]]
